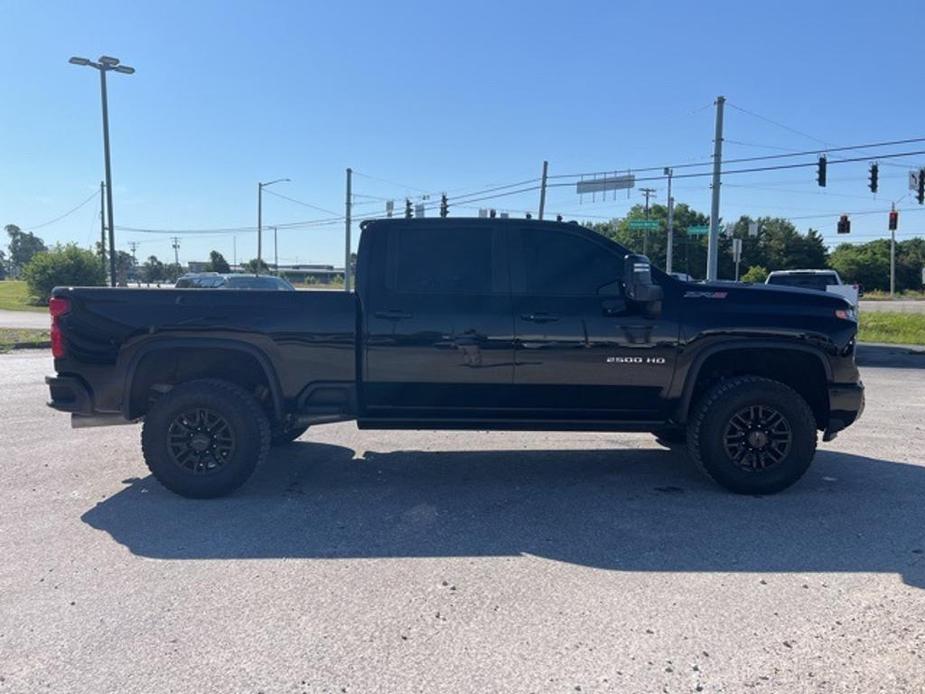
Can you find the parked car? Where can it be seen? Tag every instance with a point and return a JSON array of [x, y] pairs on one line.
[[213, 280], [817, 280], [470, 324]]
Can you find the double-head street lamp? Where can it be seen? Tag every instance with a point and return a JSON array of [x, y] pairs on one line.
[[104, 65], [260, 187]]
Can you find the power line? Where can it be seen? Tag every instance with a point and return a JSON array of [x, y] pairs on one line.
[[779, 125], [766, 157], [298, 202], [66, 214]]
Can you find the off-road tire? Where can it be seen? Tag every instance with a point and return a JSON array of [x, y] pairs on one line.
[[246, 426], [713, 414]]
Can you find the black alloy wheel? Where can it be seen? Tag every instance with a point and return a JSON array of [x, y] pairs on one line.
[[200, 441], [757, 438]]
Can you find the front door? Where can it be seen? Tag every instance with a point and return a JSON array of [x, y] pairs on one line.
[[582, 351], [439, 332]]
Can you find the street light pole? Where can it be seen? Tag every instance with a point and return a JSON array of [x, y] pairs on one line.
[[260, 187], [104, 65], [112, 227]]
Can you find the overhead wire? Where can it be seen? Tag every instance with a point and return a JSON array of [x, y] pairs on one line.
[[71, 211]]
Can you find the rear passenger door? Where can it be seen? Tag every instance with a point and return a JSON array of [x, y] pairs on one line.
[[439, 340]]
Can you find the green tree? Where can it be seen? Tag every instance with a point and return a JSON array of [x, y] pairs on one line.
[[251, 266], [153, 270], [62, 266], [125, 268], [173, 271], [868, 264], [217, 263], [2, 265], [690, 252], [756, 274], [23, 245]]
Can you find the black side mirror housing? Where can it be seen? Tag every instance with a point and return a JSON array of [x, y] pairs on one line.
[[637, 280]]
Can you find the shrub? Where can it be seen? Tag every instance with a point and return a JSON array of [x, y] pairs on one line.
[[62, 266], [755, 274]]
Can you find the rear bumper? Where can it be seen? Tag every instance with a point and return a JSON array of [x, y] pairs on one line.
[[69, 394], [846, 404]]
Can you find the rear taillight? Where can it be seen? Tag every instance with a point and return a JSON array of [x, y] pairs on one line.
[[57, 307]]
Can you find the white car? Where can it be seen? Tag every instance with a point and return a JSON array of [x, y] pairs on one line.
[[820, 280]]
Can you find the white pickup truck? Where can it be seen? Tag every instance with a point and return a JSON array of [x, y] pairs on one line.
[[820, 280]]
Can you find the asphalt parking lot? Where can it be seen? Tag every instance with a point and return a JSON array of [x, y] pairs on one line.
[[462, 562]]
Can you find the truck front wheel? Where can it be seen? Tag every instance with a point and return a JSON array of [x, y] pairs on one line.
[[205, 438], [752, 435]]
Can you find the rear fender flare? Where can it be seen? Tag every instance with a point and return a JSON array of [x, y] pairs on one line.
[[171, 343]]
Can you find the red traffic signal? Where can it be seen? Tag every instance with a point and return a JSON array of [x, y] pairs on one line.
[[844, 225], [894, 220]]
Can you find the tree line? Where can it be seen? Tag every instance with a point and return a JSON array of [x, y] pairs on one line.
[[778, 246]]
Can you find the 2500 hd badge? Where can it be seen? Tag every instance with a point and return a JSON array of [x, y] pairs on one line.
[[635, 360]]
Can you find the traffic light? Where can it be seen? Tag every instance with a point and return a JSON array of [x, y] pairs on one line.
[[444, 206], [820, 175], [874, 177], [920, 193], [408, 212], [894, 220], [844, 225]]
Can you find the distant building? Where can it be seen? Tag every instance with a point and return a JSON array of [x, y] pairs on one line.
[[198, 266]]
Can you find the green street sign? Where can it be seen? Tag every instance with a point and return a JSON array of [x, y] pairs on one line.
[[698, 231], [644, 224]]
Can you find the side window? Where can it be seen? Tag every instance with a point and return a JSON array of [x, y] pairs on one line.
[[562, 263], [449, 260]]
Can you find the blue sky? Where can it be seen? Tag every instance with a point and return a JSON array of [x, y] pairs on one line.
[[423, 96]]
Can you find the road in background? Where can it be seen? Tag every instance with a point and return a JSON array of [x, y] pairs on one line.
[[897, 306], [461, 562], [25, 319]]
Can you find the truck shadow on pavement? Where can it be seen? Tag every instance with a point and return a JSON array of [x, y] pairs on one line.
[[627, 510]]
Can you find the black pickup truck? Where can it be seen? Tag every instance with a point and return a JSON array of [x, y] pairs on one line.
[[465, 324]]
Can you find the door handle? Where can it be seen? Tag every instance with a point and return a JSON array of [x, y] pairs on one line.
[[539, 317], [392, 314]]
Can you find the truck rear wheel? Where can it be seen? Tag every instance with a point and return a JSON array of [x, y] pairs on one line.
[[205, 438], [752, 435]]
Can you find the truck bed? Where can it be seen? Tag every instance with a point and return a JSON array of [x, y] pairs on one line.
[[304, 337]]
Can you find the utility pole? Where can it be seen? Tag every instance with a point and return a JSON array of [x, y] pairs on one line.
[[543, 189], [234, 247], [348, 209], [176, 251], [259, 226], [893, 257], [713, 243], [134, 246], [645, 237], [103, 225], [669, 254], [275, 253]]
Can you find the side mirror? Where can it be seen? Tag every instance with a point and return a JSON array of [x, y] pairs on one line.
[[637, 280]]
